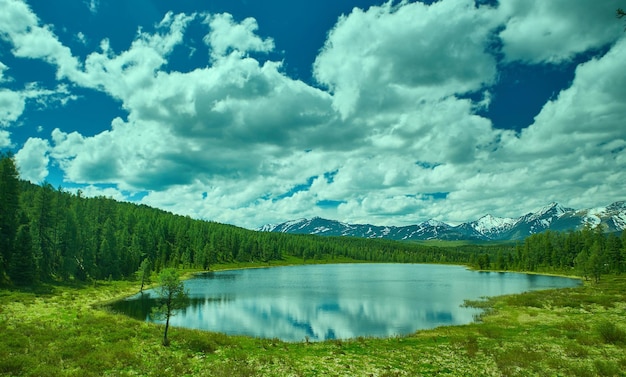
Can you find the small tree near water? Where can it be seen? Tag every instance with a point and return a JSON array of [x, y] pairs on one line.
[[143, 273], [172, 297]]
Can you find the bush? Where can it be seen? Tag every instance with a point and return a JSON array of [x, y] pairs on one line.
[[516, 358], [471, 346], [491, 331], [201, 344], [606, 368], [611, 333], [576, 351]]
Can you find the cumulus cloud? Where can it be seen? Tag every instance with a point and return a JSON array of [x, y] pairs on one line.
[[32, 160], [578, 140], [554, 31], [397, 55], [21, 27], [13, 103], [227, 36], [225, 120], [393, 140], [3, 68], [5, 139], [135, 69], [11, 106]]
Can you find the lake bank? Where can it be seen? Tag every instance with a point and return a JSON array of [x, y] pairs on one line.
[[336, 301], [565, 332]]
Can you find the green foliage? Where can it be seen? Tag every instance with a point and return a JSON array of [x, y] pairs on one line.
[[471, 346], [172, 297], [518, 358], [22, 267], [143, 273], [61, 332], [89, 239], [9, 207], [611, 333]]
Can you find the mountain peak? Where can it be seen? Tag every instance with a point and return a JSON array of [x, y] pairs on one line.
[[435, 223], [489, 224], [553, 208], [553, 216]]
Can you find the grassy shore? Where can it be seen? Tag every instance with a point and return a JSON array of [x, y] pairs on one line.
[[64, 331]]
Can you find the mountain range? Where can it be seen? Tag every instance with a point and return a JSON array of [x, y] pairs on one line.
[[488, 228]]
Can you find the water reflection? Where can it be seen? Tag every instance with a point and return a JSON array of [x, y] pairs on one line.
[[337, 301]]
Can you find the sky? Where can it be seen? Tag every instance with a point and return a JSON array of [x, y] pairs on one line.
[[363, 111]]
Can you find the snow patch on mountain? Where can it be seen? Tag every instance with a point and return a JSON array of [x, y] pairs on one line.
[[489, 224], [611, 218]]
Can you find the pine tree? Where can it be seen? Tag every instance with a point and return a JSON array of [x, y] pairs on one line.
[[9, 206], [23, 269], [42, 225], [596, 261], [582, 263]]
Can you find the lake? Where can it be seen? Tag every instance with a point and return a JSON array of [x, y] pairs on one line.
[[338, 301]]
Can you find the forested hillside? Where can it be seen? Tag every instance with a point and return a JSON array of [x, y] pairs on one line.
[[49, 234]]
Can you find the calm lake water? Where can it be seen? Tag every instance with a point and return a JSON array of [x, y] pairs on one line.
[[339, 301]]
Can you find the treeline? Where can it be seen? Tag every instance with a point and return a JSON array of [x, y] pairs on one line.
[[589, 253], [49, 234]]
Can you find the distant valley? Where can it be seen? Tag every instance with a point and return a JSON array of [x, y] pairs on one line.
[[488, 228]]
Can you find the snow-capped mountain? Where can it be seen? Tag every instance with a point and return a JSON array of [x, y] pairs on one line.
[[553, 216]]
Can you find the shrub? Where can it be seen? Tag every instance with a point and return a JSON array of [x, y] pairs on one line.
[[471, 346], [587, 339], [201, 344], [576, 351], [611, 333], [517, 358], [491, 331], [606, 368]]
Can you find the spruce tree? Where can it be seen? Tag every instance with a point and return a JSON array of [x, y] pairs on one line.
[[23, 269], [9, 206]]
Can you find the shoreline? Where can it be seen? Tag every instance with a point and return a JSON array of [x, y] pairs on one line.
[[549, 332]]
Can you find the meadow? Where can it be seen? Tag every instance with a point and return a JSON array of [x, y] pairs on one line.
[[66, 330]]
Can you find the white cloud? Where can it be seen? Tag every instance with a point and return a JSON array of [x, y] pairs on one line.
[[135, 69], [91, 191], [554, 31], [20, 26], [5, 139], [238, 141], [32, 160], [13, 103], [381, 56], [3, 68], [82, 38], [578, 141], [229, 119], [48, 97], [238, 130], [93, 5], [228, 35], [11, 106]]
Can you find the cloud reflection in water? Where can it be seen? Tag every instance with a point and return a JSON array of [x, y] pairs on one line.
[[322, 302]]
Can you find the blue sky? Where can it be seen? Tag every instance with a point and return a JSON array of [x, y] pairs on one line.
[[248, 112]]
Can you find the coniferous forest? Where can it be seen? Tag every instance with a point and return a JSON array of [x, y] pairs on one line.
[[49, 234]]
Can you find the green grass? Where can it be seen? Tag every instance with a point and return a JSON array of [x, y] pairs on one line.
[[63, 331]]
